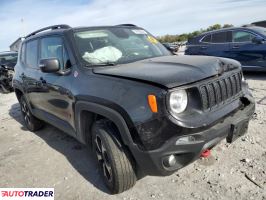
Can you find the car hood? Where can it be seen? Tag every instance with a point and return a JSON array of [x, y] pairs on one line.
[[171, 71]]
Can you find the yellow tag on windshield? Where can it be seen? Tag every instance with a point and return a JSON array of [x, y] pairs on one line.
[[152, 39]]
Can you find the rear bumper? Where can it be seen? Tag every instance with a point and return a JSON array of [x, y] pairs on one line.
[[232, 127]]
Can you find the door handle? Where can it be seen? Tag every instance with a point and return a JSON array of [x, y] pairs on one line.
[[203, 47], [235, 47]]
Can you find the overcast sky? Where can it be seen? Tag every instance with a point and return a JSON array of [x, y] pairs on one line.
[[20, 17]]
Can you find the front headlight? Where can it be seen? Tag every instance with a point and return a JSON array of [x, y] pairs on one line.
[[178, 101]]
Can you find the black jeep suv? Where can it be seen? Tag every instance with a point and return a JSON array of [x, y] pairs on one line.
[[141, 108]]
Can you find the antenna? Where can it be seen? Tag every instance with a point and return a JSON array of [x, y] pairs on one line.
[[23, 25]]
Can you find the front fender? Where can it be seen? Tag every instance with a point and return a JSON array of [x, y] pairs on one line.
[[107, 112]]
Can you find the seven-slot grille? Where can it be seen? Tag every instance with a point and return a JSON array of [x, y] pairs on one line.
[[218, 91]]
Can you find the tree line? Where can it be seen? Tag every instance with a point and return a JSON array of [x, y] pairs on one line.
[[185, 36]]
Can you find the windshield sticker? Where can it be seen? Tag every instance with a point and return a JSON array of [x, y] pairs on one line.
[[152, 39], [139, 31]]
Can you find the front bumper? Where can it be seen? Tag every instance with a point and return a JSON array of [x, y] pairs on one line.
[[233, 126]]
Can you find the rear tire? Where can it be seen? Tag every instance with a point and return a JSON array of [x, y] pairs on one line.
[[31, 122], [115, 162]]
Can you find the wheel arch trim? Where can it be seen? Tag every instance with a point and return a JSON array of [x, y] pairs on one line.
[[104, 111]]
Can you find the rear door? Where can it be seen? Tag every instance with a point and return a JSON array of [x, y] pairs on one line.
[[31, 74], [215, 44], [250, 54]]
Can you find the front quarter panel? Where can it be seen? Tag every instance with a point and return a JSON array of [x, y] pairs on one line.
[[127, 97]]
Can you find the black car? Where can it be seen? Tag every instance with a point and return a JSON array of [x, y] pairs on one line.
[[143, 110], [171, 47], [8, 61], [245, 44]]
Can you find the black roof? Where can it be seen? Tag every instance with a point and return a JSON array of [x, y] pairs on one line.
[[54, 27], [60, 28]]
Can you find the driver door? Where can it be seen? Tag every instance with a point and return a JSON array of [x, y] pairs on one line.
[[58, 99]]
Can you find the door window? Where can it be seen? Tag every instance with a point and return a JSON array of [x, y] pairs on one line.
[[242, 36], [66, 59], [53, 47], [207, 38], [32, 53], [220, 37]]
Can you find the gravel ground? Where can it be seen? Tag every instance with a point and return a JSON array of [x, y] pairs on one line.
[[50, 158]]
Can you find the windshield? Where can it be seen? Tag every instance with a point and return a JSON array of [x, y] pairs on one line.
[[8, 59], [117, 45]]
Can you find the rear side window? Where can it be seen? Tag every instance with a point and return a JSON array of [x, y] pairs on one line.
[[242, 36], [32, 53], [207, 38], [220, 37]]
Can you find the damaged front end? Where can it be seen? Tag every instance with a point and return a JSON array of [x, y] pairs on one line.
[[170, 145], [210, 102]]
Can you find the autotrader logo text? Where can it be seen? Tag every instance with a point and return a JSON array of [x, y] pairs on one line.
[[27, 193]]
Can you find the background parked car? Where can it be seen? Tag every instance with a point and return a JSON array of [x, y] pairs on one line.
[[8, 61], [245, 44], [171, 47]]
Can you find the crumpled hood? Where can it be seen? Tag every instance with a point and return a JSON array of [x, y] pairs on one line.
[[171, 71]]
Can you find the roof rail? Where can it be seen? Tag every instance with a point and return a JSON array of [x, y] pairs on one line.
[[59, 26], [126, 25]]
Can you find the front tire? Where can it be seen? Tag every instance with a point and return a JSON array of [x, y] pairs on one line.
[[31, 122], [116, 164]]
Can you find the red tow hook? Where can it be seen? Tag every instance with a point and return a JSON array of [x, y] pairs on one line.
[[206, 153]]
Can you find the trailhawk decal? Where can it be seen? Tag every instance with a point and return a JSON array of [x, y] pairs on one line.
[[152, 39]]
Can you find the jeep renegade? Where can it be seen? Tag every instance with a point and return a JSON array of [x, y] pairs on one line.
[[142, 109]]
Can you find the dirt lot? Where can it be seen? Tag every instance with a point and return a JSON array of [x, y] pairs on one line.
[[49, 158]]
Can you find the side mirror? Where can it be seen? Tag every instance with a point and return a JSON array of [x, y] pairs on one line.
[[49, 65], [258, 40]]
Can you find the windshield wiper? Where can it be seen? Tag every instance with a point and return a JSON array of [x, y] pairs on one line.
[[102, 64]]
